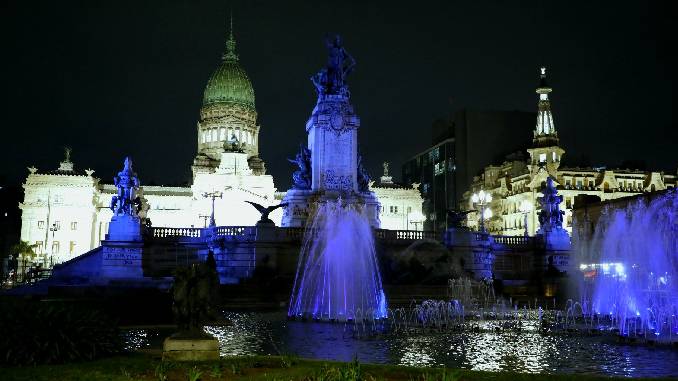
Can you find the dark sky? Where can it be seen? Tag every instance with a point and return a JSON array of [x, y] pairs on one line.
[[119, 78]]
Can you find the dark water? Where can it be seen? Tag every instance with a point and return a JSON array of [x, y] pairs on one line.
[[530, 352]]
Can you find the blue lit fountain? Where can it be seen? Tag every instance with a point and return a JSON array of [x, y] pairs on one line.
[[337, 274], [636, 277]]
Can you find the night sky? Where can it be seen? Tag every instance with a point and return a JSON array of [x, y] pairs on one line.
[[114, 78]]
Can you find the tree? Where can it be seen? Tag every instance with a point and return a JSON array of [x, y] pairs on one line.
[[25, 250]]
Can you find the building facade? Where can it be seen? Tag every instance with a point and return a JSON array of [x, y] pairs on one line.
[[66, 212], [400, 205], [516, 183], [445, 170]]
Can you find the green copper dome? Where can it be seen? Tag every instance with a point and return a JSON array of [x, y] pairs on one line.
[[229, 83]]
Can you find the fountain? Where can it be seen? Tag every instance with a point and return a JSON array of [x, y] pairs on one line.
[[634, 282], [337, 275]]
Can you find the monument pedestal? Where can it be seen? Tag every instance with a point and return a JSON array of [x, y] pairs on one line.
[[124, 227], [302, 204], [190, 347]]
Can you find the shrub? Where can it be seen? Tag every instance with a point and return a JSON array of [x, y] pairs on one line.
[[47, 333]]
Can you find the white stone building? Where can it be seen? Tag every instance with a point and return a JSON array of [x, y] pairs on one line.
[[400, 205], [519, 182], [66, 212]]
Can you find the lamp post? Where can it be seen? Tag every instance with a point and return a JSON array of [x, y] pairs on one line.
[[204, 217], [212, 195], [525, 208], [54, 228], [481, 200]]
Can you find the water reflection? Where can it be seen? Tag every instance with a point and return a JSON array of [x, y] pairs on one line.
[[527, 351]]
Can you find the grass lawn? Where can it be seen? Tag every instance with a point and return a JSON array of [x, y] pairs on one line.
[[147, 367]]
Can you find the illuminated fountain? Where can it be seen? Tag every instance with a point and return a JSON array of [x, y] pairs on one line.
[[337, 274], [635, 282]]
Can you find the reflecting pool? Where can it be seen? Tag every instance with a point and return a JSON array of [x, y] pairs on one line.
[[527, 351]]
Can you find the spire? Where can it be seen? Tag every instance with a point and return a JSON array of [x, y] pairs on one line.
[[545, 127], [229, 55]]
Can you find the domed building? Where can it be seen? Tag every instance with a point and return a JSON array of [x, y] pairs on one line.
[[65, 212], [228, 117]]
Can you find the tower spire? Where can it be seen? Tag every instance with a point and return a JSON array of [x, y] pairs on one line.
[[230, 55], [545, 127]]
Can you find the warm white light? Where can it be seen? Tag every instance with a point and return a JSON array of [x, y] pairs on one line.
[[487, 214], [481, 195], [474, 198], [488, 197]]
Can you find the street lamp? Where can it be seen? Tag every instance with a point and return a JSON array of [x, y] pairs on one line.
[[212, 195], [525, 208], [481, 200], [54, 228]]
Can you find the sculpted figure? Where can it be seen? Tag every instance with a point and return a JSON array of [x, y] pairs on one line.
[[332, 78], [302, 177]]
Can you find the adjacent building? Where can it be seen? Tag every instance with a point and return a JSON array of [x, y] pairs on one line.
[[516, 183], [400, 205], [461, 147]]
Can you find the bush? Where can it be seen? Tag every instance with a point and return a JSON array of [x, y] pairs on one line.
[[48, 333]]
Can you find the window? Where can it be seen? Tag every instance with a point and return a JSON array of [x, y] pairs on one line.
[[439, 168], [56, 225], [554, 156], [37, 249], [542, 158], [55, 247], [409, 209], [41, 224], [568, 203], [71, 249], [74, 225], [434, 154], [579, 184], [393, 209]]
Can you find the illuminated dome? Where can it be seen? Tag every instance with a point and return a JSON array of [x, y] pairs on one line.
[[229, 83]]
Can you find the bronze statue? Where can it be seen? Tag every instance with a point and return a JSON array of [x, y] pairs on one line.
[[331, 80], [126, 202], [266, 210], [195, 294]]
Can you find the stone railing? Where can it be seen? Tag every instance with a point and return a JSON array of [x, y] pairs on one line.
[[297, 233], [236, 231], [404, 235], [163, 232], [512, 240]]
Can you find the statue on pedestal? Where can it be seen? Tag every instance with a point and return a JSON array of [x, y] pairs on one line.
[[550, 216], [126, 202], [331, 80]]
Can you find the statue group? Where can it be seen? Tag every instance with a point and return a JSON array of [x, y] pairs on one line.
[[126, 201], [331, 80]]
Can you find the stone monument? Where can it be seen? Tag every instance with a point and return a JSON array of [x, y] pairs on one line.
[[551, 228], [122, 249], [330, 165]]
